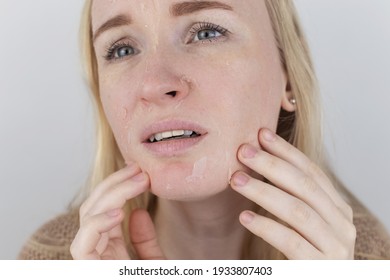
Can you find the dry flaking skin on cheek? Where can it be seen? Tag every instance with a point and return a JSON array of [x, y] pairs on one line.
[[194, 177], [198, 171]]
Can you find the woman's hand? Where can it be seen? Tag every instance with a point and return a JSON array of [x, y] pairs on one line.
[[100, 235], [320, 222]]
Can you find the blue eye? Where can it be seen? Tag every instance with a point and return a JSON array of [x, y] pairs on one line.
[[207, 34], [123, 51], [205, 31], [119, 51]]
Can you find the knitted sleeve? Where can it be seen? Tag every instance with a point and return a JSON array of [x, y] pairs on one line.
[[52, 241], [372, 239]]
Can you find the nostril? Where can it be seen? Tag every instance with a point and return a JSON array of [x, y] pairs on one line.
[[172, 93]]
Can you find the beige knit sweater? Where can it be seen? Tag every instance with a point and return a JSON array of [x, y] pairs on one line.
[[52, 240]]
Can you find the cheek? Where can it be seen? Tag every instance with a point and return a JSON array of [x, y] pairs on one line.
[[244, 95], [118, 104]]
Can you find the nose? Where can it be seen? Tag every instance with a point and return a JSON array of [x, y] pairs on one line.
[[162, 84]]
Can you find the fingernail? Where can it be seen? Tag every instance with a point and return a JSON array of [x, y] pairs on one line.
[[268, 135], [139, 177], [240, 179], [247, 217], [248, 151], [113, 213]]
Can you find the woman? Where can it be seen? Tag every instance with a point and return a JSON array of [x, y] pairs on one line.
[[208, 135]]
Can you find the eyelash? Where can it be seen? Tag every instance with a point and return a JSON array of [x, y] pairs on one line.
[[110, 52], [199, 26], [202, 26]]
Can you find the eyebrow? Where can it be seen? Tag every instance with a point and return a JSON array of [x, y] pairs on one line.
[[176, 10], [184, 8], [117, 21]]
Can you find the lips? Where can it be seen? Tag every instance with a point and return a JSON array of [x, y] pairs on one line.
[[168, 138]]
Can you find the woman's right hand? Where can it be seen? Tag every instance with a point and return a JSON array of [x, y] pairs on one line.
[[100, 235]]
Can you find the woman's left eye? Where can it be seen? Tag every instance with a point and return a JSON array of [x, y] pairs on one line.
[[204, 31], [207, 34]]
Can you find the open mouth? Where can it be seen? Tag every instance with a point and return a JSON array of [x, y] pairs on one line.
[[172, 135]]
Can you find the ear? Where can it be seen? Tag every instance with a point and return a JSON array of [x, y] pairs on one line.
[[288, 99]]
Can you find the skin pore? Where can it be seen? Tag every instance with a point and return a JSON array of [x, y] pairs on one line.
[[206, 66]]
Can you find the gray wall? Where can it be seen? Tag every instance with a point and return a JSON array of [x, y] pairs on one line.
[[45, 115]]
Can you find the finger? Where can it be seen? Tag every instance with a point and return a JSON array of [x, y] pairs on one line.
[[85, 244], [293, 211], [143, 236], [114, 179], [277, 146], [286, 240], [117, 196], [293, 181]]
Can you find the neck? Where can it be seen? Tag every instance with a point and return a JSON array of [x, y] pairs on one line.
[[207, 229]]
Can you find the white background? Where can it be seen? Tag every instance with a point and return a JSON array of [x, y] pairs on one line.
[[46, 129]]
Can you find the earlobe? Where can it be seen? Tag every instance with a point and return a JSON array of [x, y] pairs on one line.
[[289, 101]]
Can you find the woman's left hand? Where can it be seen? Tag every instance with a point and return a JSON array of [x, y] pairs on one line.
[[320, 221]]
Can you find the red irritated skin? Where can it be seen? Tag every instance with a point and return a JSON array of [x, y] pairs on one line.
[[163, 74]]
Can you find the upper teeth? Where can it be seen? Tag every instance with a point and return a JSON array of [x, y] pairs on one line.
[[168, 134]]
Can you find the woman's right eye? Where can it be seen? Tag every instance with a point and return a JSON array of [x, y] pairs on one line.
[[119, 51]]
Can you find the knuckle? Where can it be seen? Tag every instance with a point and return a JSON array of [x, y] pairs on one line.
[[351, 233], [301, 212], [294, 244], [309, 184], [82, 210], [88, 222], [83, 214], [348, 211], [270, 162], [262, 189], [314, 170]]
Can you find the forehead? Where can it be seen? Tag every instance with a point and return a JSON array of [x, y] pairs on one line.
[[102, 10]]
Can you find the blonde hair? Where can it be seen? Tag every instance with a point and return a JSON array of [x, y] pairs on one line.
[[301, 128]]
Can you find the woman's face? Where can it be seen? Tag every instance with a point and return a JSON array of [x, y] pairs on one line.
[[168, 69]]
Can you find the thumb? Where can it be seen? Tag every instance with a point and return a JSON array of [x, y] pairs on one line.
[[143, 236]]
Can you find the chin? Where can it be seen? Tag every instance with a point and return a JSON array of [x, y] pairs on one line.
[[190, 181]]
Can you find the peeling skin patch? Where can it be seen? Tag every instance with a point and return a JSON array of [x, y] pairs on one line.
[[168, 187], [198, 170], [153, 12], [177, 106], [123, 113]]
